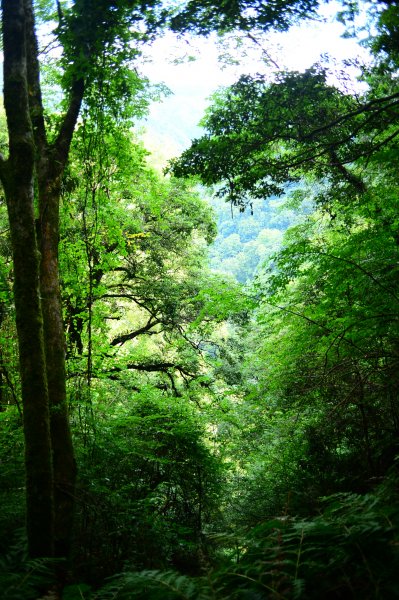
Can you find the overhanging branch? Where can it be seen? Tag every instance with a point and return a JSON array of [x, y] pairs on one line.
[[155, 367], [146, 329]]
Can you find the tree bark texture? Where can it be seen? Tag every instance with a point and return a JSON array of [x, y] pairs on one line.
[[55, 346], [50, 163], [34, 164], [17, 175], [50, 462]]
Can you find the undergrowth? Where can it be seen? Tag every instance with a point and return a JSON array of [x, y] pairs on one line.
[[22, 578], [351, 550]]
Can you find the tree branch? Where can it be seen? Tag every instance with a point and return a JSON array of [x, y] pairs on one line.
[[3, 170], [350, 177], [160, 367], [11, 387], [121, 339], [64, 138], [16, 101], [362, 109], [357, 266], [33, 77], [172, 382]]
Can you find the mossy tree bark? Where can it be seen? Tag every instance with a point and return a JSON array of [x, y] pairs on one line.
[[50, 164], [63, 455], [32, 164], [17, 175]]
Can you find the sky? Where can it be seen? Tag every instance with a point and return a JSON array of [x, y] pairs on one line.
[[173, 122]]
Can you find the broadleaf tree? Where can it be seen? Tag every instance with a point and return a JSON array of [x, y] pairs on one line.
[[94, 37], [326, 329]]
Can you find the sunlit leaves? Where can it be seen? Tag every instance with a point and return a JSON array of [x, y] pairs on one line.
[[261, 135], [204, 17]]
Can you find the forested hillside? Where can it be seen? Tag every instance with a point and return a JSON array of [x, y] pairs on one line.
[[248, 239], [185, 419]]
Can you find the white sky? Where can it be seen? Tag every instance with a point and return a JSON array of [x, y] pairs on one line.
[[193, 82], [299, 48]]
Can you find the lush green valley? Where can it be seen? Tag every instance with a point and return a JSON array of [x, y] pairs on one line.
[[198, 368]]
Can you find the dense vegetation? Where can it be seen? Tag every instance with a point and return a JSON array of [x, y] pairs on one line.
[[179, 421]]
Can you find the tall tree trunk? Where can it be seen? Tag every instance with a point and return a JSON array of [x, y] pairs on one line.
[[55, 346], [50, 463], [17, 174], [50, 164]]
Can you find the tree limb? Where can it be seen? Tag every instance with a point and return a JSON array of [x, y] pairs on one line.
[[362, 109], [121, 339], [3, 170], [33, 77], [357, 266], [159, 367], [64, 138]]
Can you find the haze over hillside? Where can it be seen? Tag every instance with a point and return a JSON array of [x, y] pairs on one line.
[[193, 70]]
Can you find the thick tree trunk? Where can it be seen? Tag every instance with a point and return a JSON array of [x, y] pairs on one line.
[[17, 176], [54, 338], [50, 163], [50, 463], [38, 457]]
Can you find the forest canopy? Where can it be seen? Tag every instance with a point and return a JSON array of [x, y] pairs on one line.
[[174, 426]]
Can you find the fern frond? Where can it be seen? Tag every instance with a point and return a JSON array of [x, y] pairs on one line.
[[24, 578], [162, 585]]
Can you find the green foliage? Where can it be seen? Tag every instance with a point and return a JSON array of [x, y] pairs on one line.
[[312, 128], [253, 156], [246, 239], [167, 585], [206, 16], [315, 406], [334, 300], [148, 485], [21, 577], [11, 476], [133, 248], [229, 442], [90, 52], [348, 551]]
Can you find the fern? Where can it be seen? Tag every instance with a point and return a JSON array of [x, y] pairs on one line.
[[21, 578], [77, 591], [162, 585], [349, 550]]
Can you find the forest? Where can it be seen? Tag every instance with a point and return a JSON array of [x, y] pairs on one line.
[[195, 405]]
